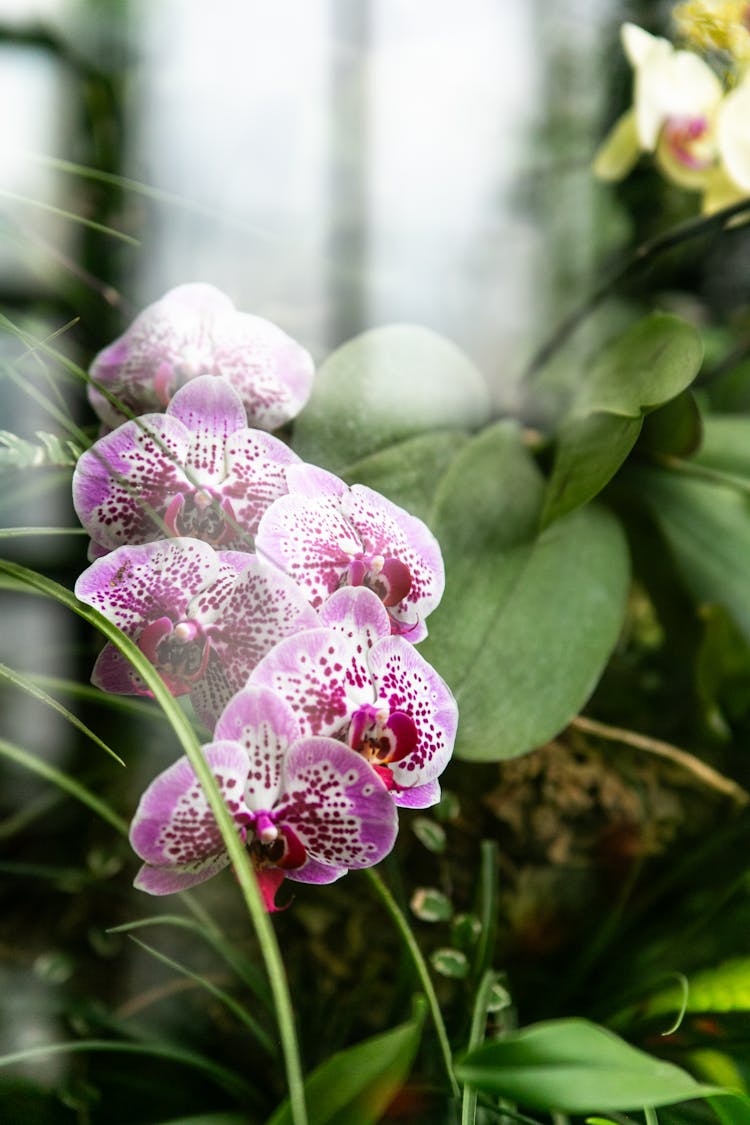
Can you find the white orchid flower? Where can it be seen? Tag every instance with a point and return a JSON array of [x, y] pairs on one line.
[[675, 104]]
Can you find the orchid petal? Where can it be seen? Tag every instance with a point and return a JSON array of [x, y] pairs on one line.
[[323, 529], [256, 464], [357, 612], [321, 675], [336, 804], [258, 611], [404, 681], [418, 797], [133, 585], [211, 411], [195, 330], [174, 827], [314, 872], [734, 135], [210, 695], [638, 44], [123, 483], [113, 673], [310, 540], [262, 723]]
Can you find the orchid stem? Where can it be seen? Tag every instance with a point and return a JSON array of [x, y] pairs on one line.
[[423, 973]]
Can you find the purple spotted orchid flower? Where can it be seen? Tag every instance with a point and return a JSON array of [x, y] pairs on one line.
[[204, 618], [196, 330], [325, 535], [197, 470], [352, 680], [307, 808]]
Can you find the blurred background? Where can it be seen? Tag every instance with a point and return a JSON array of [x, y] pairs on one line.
[[332, 166]]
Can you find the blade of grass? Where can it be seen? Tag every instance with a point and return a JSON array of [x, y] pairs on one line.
[[24, 684], [225, 1078], [22, 532], [212, 935], [144, 709], [71, 215], [244, 1017], [63, 781], [237, 852]]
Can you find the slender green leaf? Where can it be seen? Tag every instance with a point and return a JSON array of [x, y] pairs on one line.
[[23, 532], [71, 216], [354, 1086], [246, 969], [27, 685], [574, 1066], [63, 781], [385, 386], [229, 1002], [227, 1079], [527, 623]]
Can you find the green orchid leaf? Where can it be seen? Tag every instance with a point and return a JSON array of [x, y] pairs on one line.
[[527, 621], [707, 527], [726, 444], [675, 428], [409, 472], [574, 1066], [647, 366], [590, 449], [731, 1108], [650, 364], [354, 1086], [384, 386]]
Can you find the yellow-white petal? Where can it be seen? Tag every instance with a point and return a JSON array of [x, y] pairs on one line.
[[720, 192], [619, 150], [638, 44], [733, 131], [672, 84]]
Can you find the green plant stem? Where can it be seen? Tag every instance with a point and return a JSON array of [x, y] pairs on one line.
[[237, 852], [423, 973], [487, 907], [644, 253], [476, 1036]]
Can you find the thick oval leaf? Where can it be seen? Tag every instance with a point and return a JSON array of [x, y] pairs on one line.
[[409, 473], [647, 366], [527, 623], [590, 449], [707, 527], [354, 1086], [573, 1066], [675, 428], [726, 444], [386, 385]]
